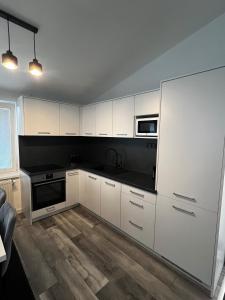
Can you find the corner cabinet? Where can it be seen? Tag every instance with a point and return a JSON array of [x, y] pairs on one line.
[[123, 117], [38, 117], [69, 120]]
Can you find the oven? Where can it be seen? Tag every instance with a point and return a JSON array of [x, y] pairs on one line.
[[48, 189]]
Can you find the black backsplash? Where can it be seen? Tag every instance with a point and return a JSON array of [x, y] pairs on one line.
[[137, 154]]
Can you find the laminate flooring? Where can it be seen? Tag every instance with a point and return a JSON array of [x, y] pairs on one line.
[[74, 255]]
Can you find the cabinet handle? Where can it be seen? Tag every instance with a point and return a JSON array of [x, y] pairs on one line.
[[190, 213], [88, 133], [110, 184], [136, 204], [185, 197], [137, 194], [135, 225], [94, 178], [122, 134], [43, 132], [70, 133], [103, 134], [50, 209], [71, 174]]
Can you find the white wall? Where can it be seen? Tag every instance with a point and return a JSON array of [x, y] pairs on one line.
[[203, 50]]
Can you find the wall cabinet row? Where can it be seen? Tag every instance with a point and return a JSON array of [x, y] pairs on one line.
[[42, 117]]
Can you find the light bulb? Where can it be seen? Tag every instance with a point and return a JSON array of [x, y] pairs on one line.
[[9, 61], [35, 68]]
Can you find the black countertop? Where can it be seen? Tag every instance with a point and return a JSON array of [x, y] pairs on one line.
[[135, 179]]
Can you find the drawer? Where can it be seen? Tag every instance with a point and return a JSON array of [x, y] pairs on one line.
[[48, 210], [185, 235], [138, 219], [139, 194]]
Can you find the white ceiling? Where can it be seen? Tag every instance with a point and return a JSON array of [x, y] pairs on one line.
[[88, 46]]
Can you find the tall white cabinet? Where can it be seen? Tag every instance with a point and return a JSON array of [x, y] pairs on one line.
[[190, 174]]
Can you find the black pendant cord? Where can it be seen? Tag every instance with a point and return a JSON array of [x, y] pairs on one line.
[[9, 36], [34, 47]]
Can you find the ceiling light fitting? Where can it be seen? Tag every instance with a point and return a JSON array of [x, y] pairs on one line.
[[10, 61]]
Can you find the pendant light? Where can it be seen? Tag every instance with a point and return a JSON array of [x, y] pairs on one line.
[[9, 61], [35, 68]]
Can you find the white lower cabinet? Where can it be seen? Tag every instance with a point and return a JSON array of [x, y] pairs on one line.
[[82, 192], [110, 201], [138, 218], [72, 187], [185, 235], [92, 192]]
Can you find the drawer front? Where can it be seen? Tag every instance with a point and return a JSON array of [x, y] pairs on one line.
[[139, 194], [138, 219], [185, 235], [48, 210]]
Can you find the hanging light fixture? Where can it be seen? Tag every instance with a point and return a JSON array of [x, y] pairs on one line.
[[35, 68], [9, 61]]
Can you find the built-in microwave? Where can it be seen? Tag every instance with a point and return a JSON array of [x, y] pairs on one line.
[[147, 126]]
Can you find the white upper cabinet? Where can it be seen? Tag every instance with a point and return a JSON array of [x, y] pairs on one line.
[[123, 117], [38, 117], [69, 119], [147, 103], [104, 118], [192, 131], [88, 120]]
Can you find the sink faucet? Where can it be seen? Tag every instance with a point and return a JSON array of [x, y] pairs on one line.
[[118, 158]]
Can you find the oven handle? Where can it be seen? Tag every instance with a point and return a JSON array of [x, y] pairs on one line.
[[48, 182]]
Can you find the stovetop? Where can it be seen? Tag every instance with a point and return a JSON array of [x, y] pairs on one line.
[[43, 168]]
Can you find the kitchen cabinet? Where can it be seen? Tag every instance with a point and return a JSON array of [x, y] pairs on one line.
[[92, 192], [123, 117], [38, 117], [110, 201], [147, 103], [82, 191], [137, 215], [69, 120], [191, 143], [185, 235], [72, 187], [104, 119], [88, 120]]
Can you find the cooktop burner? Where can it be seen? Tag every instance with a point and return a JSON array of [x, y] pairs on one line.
[[42, 168]]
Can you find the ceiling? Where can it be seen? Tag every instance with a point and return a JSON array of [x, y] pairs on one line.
[[88, 46]]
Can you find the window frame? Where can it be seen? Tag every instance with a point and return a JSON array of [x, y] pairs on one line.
[[14, 141]]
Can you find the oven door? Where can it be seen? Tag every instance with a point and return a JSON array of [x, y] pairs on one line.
[[147, 127], [48, 193]]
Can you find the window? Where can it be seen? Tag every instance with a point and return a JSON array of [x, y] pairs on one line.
[[8, 157]]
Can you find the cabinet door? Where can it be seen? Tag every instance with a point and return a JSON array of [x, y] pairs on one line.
[[72, 187], [41, 117], [92, 188], [147, 103], [82, 187], [104, 119], [110, 201], [185, 235], [192, 134], [138, 219], [123, 117], [88, 118], [69, 120]]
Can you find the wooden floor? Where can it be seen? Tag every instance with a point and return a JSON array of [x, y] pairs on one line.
[[73, 255]]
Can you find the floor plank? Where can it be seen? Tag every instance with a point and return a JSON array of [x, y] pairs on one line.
[[73, 255]]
